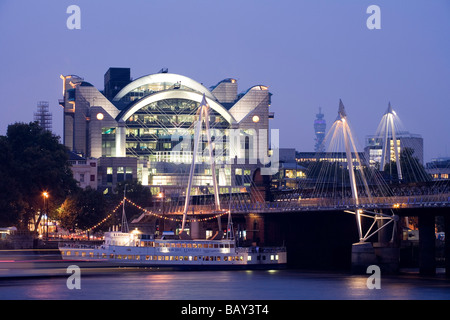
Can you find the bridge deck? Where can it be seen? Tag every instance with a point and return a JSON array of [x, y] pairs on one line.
[[316, 204]]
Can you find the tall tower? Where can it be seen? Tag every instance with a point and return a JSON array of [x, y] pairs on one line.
[[43, 115], [319, 128]]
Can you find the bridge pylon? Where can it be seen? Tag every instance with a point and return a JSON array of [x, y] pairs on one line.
[[203, 115], [363, 253], [387, 130]]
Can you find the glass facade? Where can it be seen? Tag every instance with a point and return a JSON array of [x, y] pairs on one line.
[[147, 125], [155, 135], [150, 88], [152, 130]]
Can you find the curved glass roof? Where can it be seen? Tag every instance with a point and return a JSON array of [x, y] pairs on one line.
[[157, 82], [173, 94]]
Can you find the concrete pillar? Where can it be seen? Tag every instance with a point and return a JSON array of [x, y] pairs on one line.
[[195, 230], [363, 255], [255, 229], [427, 244], [447, 244], [388, 257], [121, 140], [385, 234]]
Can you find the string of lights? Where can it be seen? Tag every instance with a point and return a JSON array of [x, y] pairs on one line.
[[174, 219], [102, 221], [150, 213]]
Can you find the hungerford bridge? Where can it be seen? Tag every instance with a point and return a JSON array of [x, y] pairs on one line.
[[375, 207]]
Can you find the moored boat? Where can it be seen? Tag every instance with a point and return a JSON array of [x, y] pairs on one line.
[[141, 250]]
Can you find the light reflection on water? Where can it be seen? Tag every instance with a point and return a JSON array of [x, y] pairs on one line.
[[224, 285]]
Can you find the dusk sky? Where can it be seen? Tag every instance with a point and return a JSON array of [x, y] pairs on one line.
[[310, 54]]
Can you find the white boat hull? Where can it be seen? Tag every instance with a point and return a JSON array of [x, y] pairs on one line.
[[183, 254]]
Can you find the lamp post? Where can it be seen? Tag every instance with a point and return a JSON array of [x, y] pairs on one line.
[[45, 195]]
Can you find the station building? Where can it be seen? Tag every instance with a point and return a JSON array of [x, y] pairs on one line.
[[143, 129]]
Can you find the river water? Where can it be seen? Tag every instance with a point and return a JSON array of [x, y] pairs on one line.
[[141, 284]]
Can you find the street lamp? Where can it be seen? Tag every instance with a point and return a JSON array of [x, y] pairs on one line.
[[46, 195]]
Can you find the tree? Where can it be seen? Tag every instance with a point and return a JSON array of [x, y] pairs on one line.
[[412, 169], [67, 213], [82, 210], [10, 201], [136, 192], [91, 208], [32, 161]]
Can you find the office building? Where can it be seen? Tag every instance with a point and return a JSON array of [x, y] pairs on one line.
[[143, 129], [374, 147]]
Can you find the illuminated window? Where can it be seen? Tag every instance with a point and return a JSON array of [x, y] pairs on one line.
[[120, 174], [301, 174], [109, 174], [290, 173]]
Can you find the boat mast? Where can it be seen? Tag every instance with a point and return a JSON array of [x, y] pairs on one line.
[[229, 225], [124, 226]]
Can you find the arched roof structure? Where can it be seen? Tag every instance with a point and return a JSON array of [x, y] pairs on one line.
[[174, 94], [164, 78]]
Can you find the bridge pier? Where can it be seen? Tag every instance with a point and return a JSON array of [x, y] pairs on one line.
[[255, 225], [447, 244], [363, 255], [383, 254], [427, 244]]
